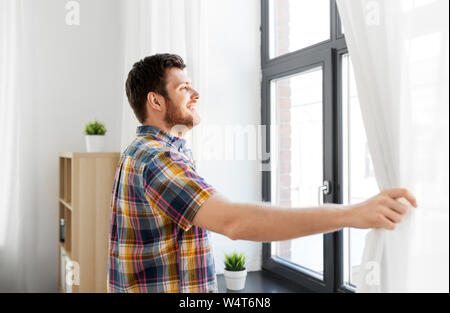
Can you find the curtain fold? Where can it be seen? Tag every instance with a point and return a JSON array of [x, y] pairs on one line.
[[19, 239], [399, 50], [166, 26]]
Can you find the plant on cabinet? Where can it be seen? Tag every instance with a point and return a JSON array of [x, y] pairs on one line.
[[95, 136]]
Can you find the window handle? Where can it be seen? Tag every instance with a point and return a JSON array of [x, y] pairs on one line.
[[325, 189]]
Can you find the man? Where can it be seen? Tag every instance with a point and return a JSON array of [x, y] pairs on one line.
[[162, 209]]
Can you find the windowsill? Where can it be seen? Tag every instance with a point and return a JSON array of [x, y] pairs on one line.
[[261, 282]]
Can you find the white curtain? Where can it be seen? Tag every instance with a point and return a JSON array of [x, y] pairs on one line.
[[166, 26], [400, 54], [19, 240]]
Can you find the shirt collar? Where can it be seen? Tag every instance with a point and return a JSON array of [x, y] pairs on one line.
[[149, 130]]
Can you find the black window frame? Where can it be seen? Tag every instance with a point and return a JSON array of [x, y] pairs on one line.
[[328, 54]]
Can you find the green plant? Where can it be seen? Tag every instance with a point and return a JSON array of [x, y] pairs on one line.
[[234, 262], [95, 128]]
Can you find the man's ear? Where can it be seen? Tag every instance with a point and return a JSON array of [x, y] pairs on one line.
[[155, 101]]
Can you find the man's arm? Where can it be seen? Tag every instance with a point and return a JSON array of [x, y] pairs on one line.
[[262, 222]]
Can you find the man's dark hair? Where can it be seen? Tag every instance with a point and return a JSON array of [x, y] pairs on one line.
[[149, 74]]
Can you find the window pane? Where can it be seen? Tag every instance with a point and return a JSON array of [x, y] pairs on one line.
[[341, 30], [359, 178], [297, 105], [297, 24]]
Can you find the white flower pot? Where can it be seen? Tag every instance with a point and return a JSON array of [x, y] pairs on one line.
[[235, 280], [95, 143]]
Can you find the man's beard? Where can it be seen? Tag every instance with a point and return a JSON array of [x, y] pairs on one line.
[[174, 116]]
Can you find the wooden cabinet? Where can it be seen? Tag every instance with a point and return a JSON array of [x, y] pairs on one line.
[[85, 187]]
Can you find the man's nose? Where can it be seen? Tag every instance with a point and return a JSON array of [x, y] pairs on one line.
[[195, 95]]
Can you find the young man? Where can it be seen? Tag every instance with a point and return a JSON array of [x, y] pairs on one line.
[[162, 209]]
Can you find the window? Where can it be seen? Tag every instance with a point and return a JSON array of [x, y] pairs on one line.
[[297, 24], [358, 174], [309, 94], [297, 104]]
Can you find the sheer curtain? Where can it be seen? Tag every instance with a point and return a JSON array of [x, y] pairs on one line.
[[166, 26], [19, 241], [400, 54]]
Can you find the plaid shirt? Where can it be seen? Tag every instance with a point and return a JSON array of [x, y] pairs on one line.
[[153, 246]]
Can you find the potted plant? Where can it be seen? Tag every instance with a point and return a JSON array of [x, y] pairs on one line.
[[235, 272], [95, 136]]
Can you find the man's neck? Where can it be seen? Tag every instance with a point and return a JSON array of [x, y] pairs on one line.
[[177, 130]]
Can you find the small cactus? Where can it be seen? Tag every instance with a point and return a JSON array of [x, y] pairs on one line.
[[234, 262]]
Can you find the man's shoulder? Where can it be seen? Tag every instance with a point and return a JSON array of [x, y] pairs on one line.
[[150, 152], [144, 149]]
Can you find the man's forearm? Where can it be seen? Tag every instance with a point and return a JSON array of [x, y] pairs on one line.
[[260, 222]]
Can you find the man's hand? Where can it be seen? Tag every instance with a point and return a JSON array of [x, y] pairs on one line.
[[382, 211]]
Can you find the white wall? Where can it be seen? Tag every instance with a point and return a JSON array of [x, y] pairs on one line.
[[77, 76], [233, 99]]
